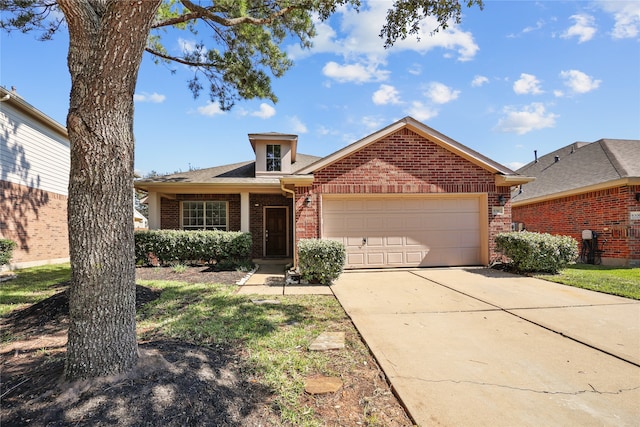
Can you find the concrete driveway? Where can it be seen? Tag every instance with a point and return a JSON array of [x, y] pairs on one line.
[[466, 347]]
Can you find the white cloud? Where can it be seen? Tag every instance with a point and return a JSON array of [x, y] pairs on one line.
[[515, 165], [297, 126], [479, 81], [626, 15], [527, 84], [530, 117], [211, 109], [354, 37], [415, 70], [579, 82], [538, 26], [354, 73], [266, 111], [372, 123], [440, 93], [154, 97], [187, 46], [421, 112], [386, 94], [583, 28]]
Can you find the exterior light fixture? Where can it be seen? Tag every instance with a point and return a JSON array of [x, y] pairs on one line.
[[307, 201], [637, 197], [502, 200]]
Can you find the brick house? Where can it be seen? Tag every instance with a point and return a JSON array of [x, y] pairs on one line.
[[586, 186], [34, 171], [405, 195]]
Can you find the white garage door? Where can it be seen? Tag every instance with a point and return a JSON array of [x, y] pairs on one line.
[[405, 232]]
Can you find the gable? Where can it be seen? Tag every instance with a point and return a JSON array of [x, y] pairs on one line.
[[426, 132], [405, 159]]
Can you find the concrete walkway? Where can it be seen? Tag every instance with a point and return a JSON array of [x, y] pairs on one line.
[[269, 279], [479, 347]]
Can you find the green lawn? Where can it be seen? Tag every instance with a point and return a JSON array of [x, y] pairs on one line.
[[273, 338], [32, 285], [621, 281]]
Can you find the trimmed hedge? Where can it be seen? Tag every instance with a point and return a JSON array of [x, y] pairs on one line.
[[226, 249], [541, 252], [6, 251], [320, 260]]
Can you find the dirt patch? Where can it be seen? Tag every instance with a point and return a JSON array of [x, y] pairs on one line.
[[191, 274], [174, 384]]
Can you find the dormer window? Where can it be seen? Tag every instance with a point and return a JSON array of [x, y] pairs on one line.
[[274, 161], [275, 153]]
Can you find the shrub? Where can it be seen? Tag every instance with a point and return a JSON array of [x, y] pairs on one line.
[[320, 260], [229, 248], [6, 251], [541, 252]]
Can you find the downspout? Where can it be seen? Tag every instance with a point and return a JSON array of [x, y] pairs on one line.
[[293, 213]]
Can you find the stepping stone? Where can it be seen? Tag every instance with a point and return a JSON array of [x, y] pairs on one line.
[[322, 385], [328, 341], [265, 301]]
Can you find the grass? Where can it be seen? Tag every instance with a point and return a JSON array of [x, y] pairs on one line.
[[274, 337], [621, 281], [32, 285]]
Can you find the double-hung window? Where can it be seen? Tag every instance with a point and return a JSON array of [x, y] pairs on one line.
[[204, 215], [274, 162]]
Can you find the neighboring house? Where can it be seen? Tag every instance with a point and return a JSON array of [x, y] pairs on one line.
[[140, 222], [405, 195], [586, 186], [34, 171]]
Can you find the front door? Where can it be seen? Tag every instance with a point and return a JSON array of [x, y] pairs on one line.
[[275, 231]]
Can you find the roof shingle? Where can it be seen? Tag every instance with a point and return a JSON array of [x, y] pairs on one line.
[[580, 165]]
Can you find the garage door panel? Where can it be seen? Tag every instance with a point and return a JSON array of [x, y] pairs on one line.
[[353, 241], [415, 258], [395, 258], [375, 241], [375, 258], [355, 258], [395, 241], [392, 232]]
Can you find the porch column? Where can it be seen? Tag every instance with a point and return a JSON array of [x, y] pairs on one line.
[[153, 201], [244, 212]]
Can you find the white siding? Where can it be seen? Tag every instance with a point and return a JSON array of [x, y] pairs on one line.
[[31, 153]]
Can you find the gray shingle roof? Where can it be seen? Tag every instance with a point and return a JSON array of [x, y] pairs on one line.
[[244, 172], [580, 165]]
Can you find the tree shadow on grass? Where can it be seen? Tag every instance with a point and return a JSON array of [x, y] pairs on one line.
[[174, 384], [190, 371]]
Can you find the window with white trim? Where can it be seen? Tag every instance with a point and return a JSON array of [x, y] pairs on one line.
[[274, 161], [204, 215]]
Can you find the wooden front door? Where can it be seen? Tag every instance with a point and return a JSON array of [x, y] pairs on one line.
[[276, 231]]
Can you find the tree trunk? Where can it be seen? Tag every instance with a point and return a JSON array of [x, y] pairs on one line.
[[106, 43]]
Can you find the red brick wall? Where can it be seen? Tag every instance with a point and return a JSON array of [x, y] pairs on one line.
[[170, 209], [406, 163], [36, 220], [169, 214], [257, 202], [605, 211]]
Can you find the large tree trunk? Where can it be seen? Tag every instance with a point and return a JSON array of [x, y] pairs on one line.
[[106, 43]]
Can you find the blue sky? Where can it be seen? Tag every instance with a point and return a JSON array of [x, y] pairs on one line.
[[516, 77]]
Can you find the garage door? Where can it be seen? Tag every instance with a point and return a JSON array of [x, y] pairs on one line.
[[405, 232]]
